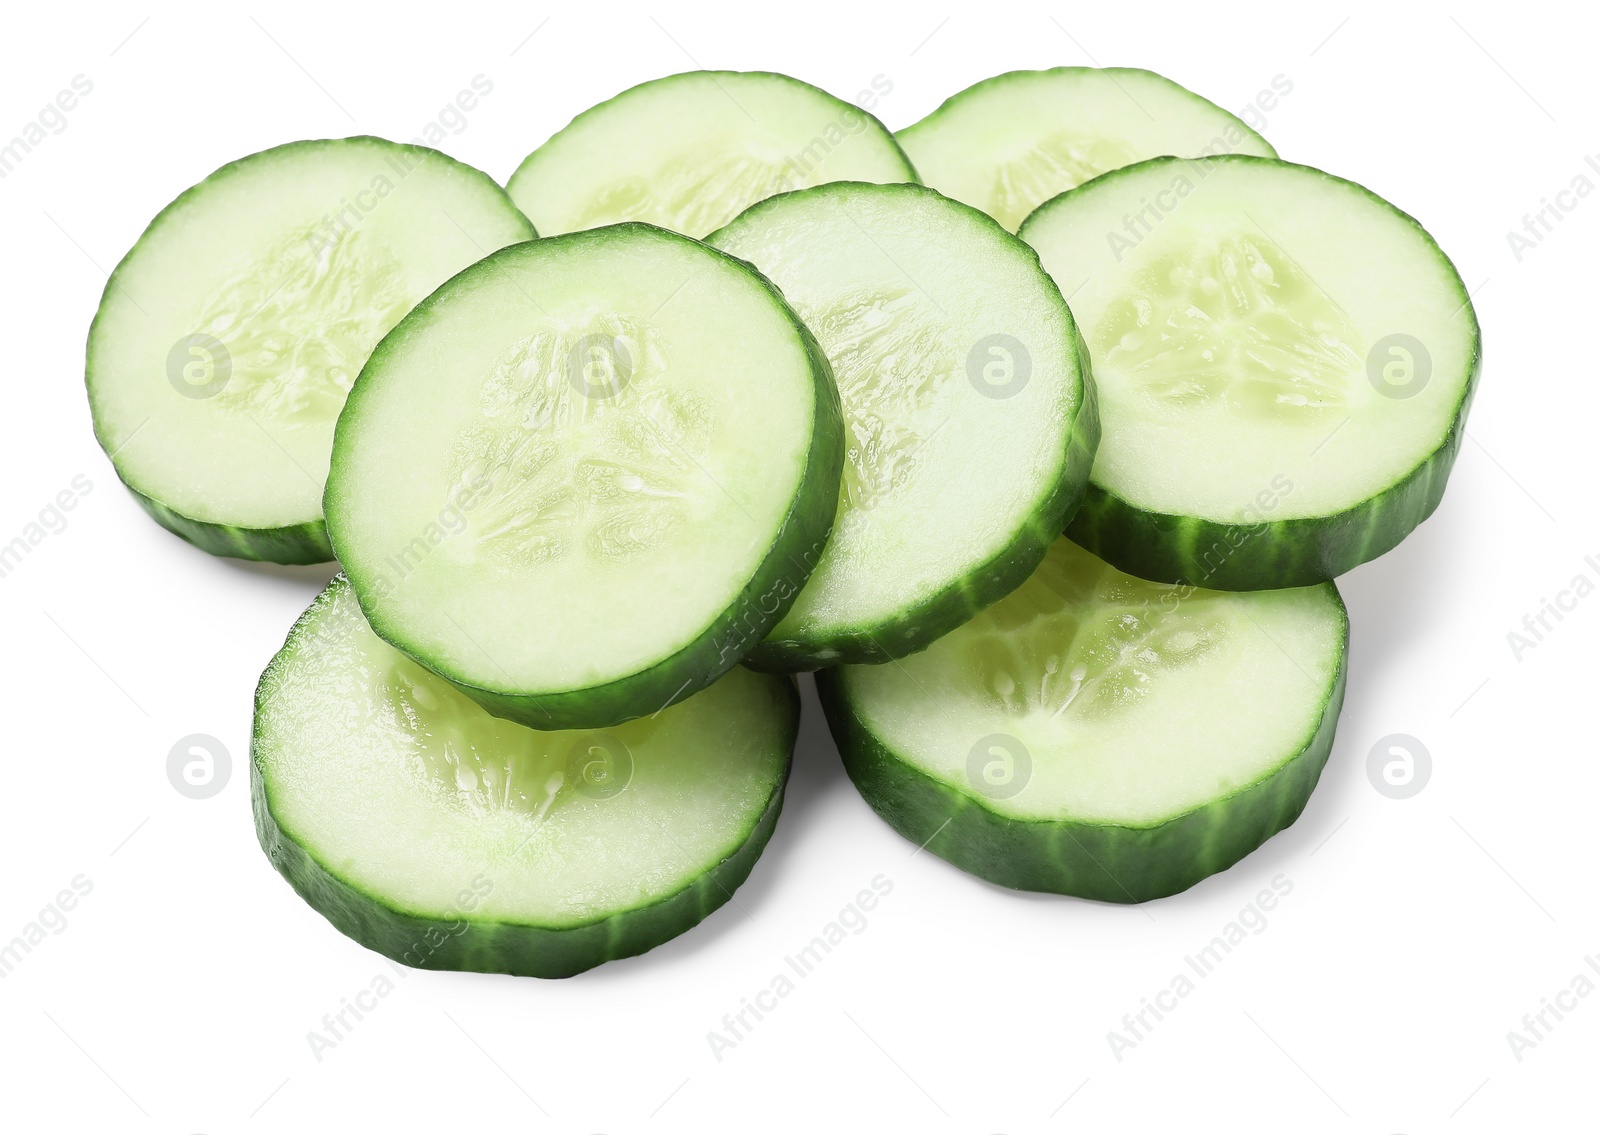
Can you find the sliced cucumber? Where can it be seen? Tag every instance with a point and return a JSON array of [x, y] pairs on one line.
[[229, 335], [691, 151], [587, 475], [970, 419], [445, 838], [1094, 734], [1010, 143], [1284, 363]]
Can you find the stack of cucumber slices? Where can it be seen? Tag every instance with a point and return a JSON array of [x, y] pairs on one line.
[[1039, 430]]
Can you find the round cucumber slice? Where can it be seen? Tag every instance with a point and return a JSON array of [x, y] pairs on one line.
[[445, 838], [692, 151], [969, 413], [229, 335], [1284, 363], [587, 475], [1097, 735], [1010, 143]]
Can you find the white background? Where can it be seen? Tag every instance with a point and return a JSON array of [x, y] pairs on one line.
[[1418, 932]]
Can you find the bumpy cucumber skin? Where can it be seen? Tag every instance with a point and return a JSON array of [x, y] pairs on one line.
[[729, 637], [1105, 862], [461, 942], [1296, 552], [293, 544], [528, 163], [921, 624], [303, 543]]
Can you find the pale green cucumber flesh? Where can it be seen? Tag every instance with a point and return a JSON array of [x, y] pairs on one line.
[[690, 152], [1098, 735], [229, 335], [1284, 363], [587, 475], [1010, 143], [445, 838], [969, 411]]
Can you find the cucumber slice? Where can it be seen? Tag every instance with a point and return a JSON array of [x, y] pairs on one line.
[[1093, 734], [445, 838], [1010, 143], [1284, 362], [970, 419], [229, 335], [587, 475], [692, 151]]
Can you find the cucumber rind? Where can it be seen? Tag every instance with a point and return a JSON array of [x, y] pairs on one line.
[[495, 946], [1285, 553], [462, 942], [305, 542], [923, 622], [730, 636], [1023, 75], [1118, 863], [1298, 551]]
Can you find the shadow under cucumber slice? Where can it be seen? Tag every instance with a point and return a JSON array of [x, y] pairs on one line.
[[1097, 735], [445, 838]]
